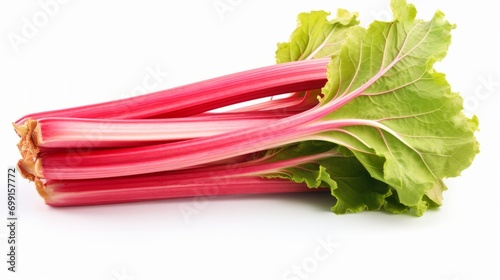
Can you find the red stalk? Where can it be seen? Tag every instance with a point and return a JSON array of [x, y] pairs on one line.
[[238, 178], [196, 98], [98, 133], [169, 156], [147, 190]]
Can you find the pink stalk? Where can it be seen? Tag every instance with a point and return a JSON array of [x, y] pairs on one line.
[[78, 132], [149, 190], [206, 95], [239, 178], [170, 156]]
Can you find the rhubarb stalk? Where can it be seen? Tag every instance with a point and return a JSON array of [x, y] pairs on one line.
[[196, 98]]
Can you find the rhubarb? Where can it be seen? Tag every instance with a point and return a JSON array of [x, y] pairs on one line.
[[384, 131]]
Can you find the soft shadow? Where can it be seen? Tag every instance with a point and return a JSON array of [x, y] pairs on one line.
[[318, 201]]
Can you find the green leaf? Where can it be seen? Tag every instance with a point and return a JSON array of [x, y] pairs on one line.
[[316, 36], [405, 125], [356, 189], [350, 183]]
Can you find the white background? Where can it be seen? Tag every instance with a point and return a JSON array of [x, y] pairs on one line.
[[82, 52]]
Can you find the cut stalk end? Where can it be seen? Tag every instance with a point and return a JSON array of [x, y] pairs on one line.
[[31, 137], [40, 188], [31, 169]]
